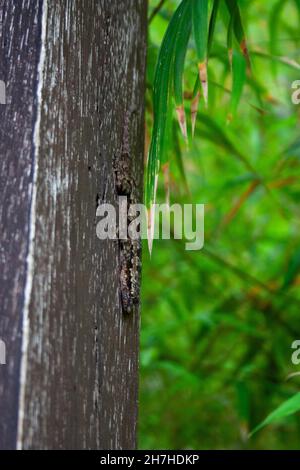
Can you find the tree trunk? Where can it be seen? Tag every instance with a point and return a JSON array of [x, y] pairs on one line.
[[74, 73]]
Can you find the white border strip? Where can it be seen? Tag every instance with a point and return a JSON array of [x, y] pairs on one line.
[[32, 223]]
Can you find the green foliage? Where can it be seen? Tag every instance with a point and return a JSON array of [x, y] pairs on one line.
[[170, 68], [218, 324], [289, 407], [200, 23], [212, 25], [181, 44], [239, 78], [162, 100], [237, 23]]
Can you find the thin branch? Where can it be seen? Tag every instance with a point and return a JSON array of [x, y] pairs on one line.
[[156, 10]]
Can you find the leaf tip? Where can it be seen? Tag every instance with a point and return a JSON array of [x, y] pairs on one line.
[[194, 111], [182, 120], [204, 80], [150, 228]]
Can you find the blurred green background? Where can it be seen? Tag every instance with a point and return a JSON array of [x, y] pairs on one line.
[[218, 324]]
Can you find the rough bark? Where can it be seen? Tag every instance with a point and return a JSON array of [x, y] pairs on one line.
[[75, 103]]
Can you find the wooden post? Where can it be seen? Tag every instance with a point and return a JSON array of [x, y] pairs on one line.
[[75, 74]]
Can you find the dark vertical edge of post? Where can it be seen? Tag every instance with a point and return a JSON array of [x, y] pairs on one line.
[[19, 56]]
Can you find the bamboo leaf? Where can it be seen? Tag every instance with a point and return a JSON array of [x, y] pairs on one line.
[[297, 2], [161, 104], [166, 174], [274, 25], [212, 25], [289, 407], [239, 67], [230, 40], [179, 159], [293, 270], [195, 103], [200, 22], [196, 92], [162, 113], [181, 45], [238, 28]]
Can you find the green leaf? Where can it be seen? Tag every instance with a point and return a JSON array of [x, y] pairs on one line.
[[238, 28], [230, 40], [179, 159], [200, 22], [181, 45], [196, 91], [162, 104], [234, 11], [195, 103], [297, 2], [239, 67], [289, 407], [293, 270], [212, 25], [243, 401], [274, 28]]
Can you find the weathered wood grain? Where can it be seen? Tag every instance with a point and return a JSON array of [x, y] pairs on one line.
[[79, 369], [20, 27]]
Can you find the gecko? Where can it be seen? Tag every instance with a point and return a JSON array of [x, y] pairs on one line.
[[129, 250]]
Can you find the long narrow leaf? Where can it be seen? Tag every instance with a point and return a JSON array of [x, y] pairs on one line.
[[274, 36], [292, 271], [230, 40], [195, 103], [239, 67], [162, 111], [181, 45], [289, 407], [200, 22], [179, 159], [196, 91], [212, 25], [238, 28]]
